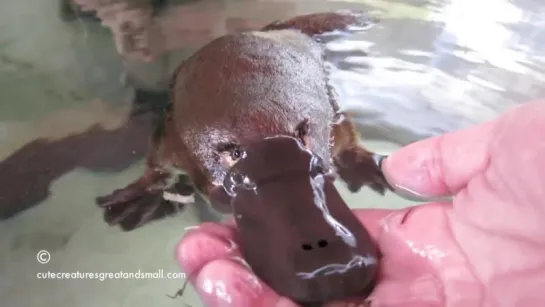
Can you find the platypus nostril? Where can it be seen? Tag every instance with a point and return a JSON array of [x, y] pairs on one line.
[[306, 247], [322, 243]]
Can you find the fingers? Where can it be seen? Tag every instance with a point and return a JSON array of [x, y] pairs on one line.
[[203, 244], [222, 278], [212, 260], [443, 165], [226, 282], [211, 241], [440, 166], [215, 267]]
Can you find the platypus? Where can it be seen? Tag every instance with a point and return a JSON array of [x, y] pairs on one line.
[[240, 88], [294, 229], [263, 98]]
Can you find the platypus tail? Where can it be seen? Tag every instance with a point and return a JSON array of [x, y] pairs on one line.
[[325, 24]]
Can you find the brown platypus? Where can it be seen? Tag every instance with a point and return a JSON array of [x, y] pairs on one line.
[[294, 229], [238, 89], [256, 128]]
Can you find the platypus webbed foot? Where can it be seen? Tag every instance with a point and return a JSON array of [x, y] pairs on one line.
[[357, 167], [151, 197]]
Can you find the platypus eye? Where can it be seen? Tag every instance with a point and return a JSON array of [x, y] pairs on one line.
[[229, 154], [236, 154]]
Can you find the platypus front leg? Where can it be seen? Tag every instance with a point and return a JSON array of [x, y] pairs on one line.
[[355, 165], [161, 191], [324, 23]]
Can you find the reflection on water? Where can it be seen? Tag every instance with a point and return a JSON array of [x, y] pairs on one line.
[[445, 77], [79, 89]]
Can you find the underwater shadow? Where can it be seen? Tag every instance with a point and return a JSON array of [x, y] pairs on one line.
[[27, 174]]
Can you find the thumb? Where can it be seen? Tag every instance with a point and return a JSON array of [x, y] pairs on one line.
[[440, 166]]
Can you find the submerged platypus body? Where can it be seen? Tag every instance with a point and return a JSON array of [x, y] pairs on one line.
[[240, 88], [230, 98], [237, 89]]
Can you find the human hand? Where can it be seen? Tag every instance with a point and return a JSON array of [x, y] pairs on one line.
[[485, 248]]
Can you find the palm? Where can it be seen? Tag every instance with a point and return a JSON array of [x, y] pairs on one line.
[[486, 248]]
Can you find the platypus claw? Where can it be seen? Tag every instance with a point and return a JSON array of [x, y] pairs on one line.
[[138, 204], [358, 168]]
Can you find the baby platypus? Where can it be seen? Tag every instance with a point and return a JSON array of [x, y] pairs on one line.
[[236, 90], [294, 229]]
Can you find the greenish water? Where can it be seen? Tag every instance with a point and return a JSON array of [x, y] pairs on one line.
[[56, 85]]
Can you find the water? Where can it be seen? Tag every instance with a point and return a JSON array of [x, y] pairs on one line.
[[67, 134]]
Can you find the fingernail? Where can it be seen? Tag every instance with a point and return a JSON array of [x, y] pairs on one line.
[[409, 194], [404, 192]]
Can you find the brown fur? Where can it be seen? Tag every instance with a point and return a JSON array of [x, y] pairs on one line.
[[241, 88]]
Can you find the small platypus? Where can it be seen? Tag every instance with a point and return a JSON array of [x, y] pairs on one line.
[[263, 99], [294, 229], [238, 89]]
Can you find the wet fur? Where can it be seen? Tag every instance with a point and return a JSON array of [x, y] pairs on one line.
[[237, 89]]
